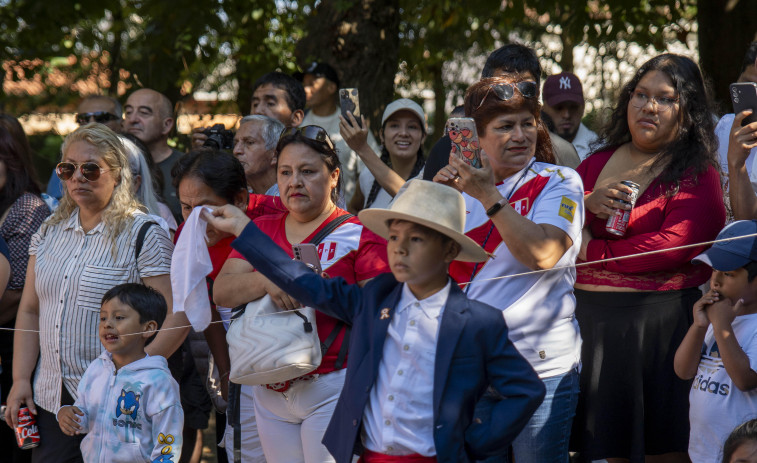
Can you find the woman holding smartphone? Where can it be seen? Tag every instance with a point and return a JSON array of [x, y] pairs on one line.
[[403, 131], [292, 416]]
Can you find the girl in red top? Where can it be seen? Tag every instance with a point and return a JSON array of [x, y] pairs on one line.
[[292, 416], [661, 136]]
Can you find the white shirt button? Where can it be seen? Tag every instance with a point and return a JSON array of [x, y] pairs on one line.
[[391, 397], [406, 347], [387, 422], [416, 305], [399, 372], [412, 322]]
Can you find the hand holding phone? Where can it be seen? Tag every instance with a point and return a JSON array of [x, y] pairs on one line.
[[349, 101], [465, 144], [308, 253], [744, 96]]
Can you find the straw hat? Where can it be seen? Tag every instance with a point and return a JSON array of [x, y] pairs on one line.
[[432, 205]]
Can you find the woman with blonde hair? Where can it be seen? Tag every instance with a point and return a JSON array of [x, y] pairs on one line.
[[90, 244]]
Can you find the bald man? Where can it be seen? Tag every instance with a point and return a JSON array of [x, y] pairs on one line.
[[148, 115]]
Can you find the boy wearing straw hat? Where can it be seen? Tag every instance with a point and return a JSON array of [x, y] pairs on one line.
[[421, 354]]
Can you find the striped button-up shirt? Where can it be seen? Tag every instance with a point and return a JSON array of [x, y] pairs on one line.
[[74, 269]]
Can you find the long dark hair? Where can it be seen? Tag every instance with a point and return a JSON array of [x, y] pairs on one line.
[[220, 171], [328, 155], [695, 147], [16, 154], [420, 161]]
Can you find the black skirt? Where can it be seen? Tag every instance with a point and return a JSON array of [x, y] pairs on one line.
[[632, 403]]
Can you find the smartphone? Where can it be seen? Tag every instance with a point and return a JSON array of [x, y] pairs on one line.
[[744, 96], [465, 145], [307, 253], [349, 101]]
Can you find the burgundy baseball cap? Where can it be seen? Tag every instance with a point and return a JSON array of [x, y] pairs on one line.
[[562, 87]]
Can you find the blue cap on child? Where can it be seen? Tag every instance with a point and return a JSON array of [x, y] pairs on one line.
[[734, 253]]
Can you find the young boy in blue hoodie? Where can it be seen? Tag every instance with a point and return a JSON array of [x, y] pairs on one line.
[[421, 353], [128, 403]]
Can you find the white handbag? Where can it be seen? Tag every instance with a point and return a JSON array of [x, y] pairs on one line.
[[268, 345]]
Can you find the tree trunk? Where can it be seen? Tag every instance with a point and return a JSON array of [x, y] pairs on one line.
[[440, 100], [360, 39], [724, 35]]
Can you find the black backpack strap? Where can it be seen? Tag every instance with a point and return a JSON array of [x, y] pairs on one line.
[[141, 238], [330, 227]]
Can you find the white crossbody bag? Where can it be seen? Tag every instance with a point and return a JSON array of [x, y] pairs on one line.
[[268, 345]]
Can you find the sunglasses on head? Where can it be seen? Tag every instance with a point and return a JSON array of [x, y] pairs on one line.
[[311, 132], [504, 92], [89, 170], [100, 117]]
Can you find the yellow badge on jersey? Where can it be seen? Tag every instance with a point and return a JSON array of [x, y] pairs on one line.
[[567, 209]]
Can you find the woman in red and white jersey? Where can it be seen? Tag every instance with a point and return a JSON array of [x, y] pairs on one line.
[[292, 416]]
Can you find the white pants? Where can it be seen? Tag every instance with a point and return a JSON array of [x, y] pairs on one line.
[[252, 451], [291, 424]]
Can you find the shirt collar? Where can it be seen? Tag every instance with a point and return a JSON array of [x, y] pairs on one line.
[[75, 223], [432, 306]]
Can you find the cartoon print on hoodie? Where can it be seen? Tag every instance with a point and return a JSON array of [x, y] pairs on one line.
[[128, 404]]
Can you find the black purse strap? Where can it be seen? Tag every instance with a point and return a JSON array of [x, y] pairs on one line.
[[141, 238], [330, 227]]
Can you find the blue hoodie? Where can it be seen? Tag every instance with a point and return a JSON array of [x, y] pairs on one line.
[[133, 415]]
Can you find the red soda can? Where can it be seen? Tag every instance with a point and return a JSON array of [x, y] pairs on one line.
[[617, 224], [27, 433]]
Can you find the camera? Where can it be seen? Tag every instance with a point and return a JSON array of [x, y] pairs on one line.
[[219, 138]]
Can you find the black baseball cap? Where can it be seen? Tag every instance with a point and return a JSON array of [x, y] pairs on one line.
[[320, 70]]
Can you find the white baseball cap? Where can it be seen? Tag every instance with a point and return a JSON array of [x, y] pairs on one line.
[[404, 103]]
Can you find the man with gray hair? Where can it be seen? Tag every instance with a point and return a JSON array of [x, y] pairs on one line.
[[255, 147]]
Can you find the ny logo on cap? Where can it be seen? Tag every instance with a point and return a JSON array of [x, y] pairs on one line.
[[565, 83]]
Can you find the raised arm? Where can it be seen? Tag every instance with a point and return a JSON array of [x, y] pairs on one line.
[[686, 361], [357, 139], [737, 363], [740, 143]]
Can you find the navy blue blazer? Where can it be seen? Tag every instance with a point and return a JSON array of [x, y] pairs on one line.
[[473, 351]]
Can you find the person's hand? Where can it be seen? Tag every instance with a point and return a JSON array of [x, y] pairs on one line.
[[69, 421], [19, 395], [354, 134], [605, 199], [282, 300], [198, 137], [476, 182], [228, 218], [721, 313], [700, 308], [225, 387], [741, 140]]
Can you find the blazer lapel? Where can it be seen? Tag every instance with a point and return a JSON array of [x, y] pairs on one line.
[[381, 321], [452, 324]]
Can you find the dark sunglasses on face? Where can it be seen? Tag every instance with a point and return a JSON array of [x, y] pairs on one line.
[[100, 117], [311, 132], [506, 91], [89, 170]]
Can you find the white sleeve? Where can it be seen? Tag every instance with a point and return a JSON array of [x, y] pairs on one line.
[[167, 426], [561, 203]]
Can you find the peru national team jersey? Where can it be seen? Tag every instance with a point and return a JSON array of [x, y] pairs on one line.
[[538, 308], [351, 251], [717, 405]]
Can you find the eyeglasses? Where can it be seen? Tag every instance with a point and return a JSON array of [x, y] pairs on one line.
[[311, 132], [504, 92], [89, 170], [100, 117], [640, 99]]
